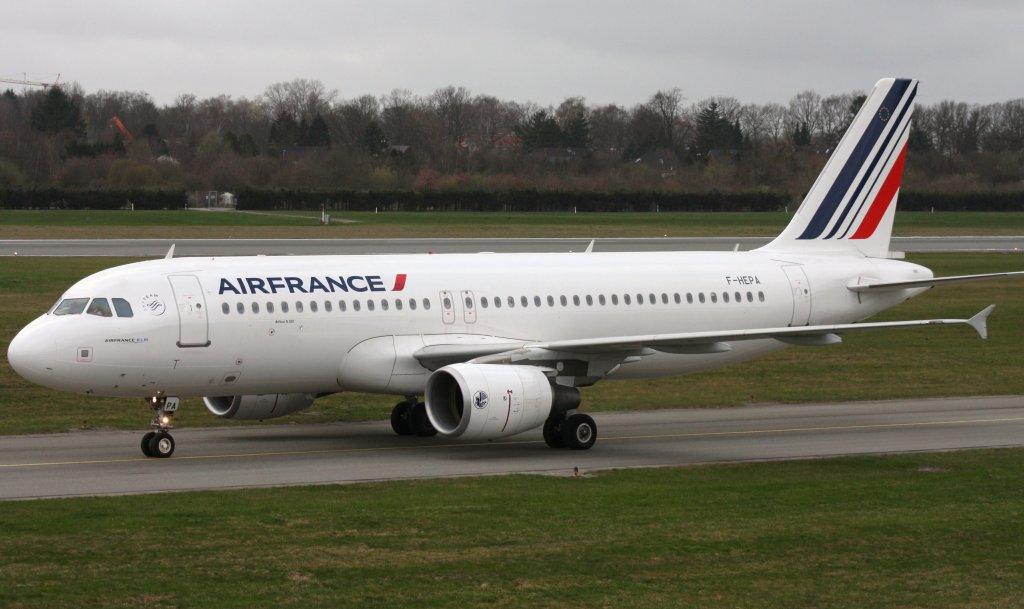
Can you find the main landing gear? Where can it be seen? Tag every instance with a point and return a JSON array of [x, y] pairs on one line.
[[576, 431], [159, 443], [409, 418]]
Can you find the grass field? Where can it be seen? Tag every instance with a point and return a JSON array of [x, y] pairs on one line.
[[893, 364], [938, 530], [15, 224]]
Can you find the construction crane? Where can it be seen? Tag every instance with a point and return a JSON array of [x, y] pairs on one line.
[[116, 122], [31, 83]]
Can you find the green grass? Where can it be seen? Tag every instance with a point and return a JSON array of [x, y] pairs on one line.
[[923, 530], [949, 361], [17, 224]]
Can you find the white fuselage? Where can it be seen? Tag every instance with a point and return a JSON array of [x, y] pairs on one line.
[[323, 324]]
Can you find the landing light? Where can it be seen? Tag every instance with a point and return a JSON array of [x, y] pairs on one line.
[[165, 420]]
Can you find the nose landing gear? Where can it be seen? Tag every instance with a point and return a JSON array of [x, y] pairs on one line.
[[159, 443]]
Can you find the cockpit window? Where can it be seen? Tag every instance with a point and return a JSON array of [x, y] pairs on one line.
[[122, 307], [71, 306], [99, 306]]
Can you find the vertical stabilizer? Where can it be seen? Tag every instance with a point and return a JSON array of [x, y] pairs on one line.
[[851, 206]]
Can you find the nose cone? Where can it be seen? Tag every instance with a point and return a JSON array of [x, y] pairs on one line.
[[32, 352]]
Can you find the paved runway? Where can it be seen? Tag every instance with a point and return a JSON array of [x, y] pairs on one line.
[[110, 463], [281, 247]]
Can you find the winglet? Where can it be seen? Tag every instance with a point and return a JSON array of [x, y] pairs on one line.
[[980, 321], [170, 253]]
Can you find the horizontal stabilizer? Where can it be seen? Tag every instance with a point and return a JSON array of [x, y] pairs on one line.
[[927, 283]]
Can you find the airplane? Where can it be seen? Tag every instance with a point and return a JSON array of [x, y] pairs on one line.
[[497, 344]]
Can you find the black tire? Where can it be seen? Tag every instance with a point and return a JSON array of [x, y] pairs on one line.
[[553, 432], [161, 445], [421, 425], [401, 419], [145, 444], [579, 432]]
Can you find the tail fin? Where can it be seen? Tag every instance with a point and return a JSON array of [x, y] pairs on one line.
[[851, 206]]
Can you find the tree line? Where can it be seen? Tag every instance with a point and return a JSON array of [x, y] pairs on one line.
[[301, 135]]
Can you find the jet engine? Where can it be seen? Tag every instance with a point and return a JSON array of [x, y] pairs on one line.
[[267, 406], [485, 401]]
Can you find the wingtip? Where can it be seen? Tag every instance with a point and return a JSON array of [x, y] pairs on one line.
[[980, 321]]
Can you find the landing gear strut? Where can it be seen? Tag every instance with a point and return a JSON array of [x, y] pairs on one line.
[[575, 431], [159, 443], [409, 418]]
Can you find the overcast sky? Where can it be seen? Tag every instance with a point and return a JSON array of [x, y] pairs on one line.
[[523, 50]]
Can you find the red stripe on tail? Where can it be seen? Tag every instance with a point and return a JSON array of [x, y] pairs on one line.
[[884, 198]]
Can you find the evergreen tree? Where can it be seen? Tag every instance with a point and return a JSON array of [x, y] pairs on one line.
[[58, 113], [715, 132], [285, 130], [577, 132], [540, 131], [373, 139], [318, 134], [802, 135]]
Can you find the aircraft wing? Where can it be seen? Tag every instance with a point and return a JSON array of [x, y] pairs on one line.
[[593, 358]]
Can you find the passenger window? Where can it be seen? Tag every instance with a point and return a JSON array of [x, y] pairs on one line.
[[551, 301], [677, 298], [225, 308], [563, 300], [750, 297], [664, 298], [497, 302], [483, 302], [536, 301], [341, 306], [576, 300], [600, 299], [355, 305], [625, 299], [590, 300], [700, 297], [370, 305], [384, 304], [284, 307], [447, 302], [689, 298], [412, 304], [312, 306], [524, 301], [240, 308], [739, 297], [71, 306], [760, 296], [255, 307], [99, 307], [639, 299], [122, 308], [426, 304], [469, 302], [298, 306], [725, 296], [270, 307], [714, 297], [398, 304], [328, 306], [652, 299], [511, 302], [615, 299]]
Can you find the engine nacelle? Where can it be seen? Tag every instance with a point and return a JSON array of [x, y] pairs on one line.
[[484, 401], [267, 406]]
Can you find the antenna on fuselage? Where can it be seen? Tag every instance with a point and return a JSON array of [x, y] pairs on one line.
[[170, 253]]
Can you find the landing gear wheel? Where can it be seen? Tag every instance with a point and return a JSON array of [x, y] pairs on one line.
[[161, 445], [553, 432], [579, 432], [421, 425], [145, 444], [401, 419]]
